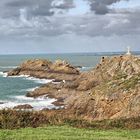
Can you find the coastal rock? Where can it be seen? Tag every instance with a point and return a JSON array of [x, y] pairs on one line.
[[40, 68], [14, 72], [109, 68], [111, 90], [25, 106], [2, 103], [60, 66], [36, 64]]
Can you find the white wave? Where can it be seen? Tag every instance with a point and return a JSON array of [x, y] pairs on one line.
[[86, 68], [36, 80], [41, 103], [8, 105], [3, 74], [20, 76], [37, 103], [22, 98], [40, 81], [8, 67], [31, 89]]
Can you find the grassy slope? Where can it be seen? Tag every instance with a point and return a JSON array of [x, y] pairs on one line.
[[68, 133]]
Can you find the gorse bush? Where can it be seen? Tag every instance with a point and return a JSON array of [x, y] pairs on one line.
[[17, 119], [12, 119]]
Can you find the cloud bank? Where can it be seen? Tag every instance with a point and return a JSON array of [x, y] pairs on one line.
[[42, 19]]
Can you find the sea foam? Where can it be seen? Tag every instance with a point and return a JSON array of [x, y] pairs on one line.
[[3, 74], [37, 103], [8, 67], [31, 89], [40, 81], [36, 80]]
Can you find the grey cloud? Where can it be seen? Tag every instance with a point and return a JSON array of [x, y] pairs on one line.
[[101, 6], [117, 22], [18, 3], [37, 7], [67, 4]]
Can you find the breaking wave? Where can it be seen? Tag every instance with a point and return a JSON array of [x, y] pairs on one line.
[[3, 74], [37, 103]]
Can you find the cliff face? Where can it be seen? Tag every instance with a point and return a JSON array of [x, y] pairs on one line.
[[113, 89], [109, 91], [110, 68]]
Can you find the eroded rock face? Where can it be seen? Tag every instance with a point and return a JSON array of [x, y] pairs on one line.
[[59, 70]]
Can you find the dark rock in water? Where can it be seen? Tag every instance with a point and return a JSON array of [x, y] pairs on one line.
[[57, 81], [79, 67], [14, 72], [25, 106], [2, 102]]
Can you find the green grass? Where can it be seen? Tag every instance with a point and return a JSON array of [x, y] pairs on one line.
[[68, 133]]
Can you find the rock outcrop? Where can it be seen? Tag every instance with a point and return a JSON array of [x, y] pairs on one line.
[[109, 91], [24, 107], [59, 70]]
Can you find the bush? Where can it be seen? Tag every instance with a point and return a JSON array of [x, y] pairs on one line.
[[12, 119]]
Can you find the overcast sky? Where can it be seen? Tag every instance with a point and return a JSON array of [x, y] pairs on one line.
[[59, 26]]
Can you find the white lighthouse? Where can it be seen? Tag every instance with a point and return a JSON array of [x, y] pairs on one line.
[[128, 51]]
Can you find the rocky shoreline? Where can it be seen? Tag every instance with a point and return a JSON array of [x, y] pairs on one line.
[[111, 90]]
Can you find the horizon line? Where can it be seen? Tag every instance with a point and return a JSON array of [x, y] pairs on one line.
[[104, 52]]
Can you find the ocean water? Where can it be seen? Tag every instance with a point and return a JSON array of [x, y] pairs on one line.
[[13, 89]]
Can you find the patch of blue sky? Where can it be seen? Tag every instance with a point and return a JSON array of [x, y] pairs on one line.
[[126, 4], [81, 7]]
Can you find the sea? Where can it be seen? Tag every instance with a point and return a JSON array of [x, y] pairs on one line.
[[14, 89]]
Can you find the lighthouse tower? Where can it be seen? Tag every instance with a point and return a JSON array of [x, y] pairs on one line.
[[128, 51]]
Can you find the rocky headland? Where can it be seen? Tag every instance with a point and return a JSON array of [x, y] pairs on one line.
[[39, 68], [111, 90]]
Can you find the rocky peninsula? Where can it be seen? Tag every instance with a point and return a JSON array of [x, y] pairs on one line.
[[39, 68], [111, 90]]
